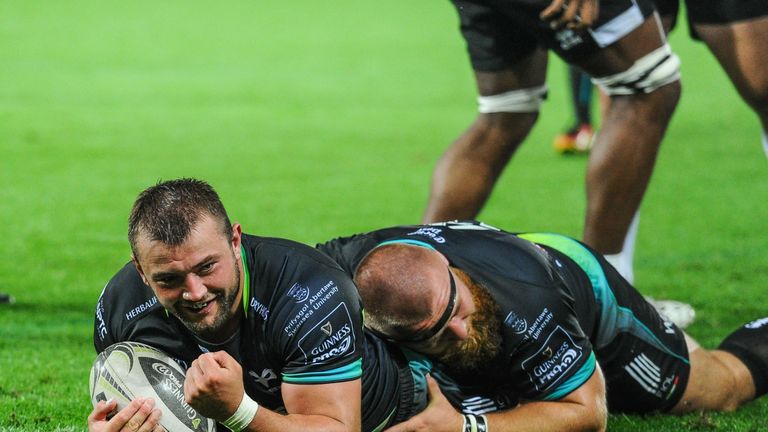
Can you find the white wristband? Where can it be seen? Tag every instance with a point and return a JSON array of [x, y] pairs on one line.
[[243, 416]]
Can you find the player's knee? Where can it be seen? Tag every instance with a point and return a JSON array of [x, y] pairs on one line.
[[503, 130], [656, 70], [507, 118]]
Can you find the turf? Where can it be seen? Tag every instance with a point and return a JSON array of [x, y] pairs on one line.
[[313, 119]]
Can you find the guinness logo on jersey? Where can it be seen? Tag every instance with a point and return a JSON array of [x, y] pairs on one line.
[[335, 346], [327, 328], [333, 338], [558, 355]]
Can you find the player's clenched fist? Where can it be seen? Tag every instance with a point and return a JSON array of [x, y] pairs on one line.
[[214, 385]]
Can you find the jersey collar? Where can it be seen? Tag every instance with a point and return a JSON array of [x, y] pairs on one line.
[[246, 282]]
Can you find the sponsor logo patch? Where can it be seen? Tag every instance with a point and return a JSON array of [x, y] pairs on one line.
[[101, 326], [168, 383], [333, 337], [539, 324], [558, 355], [260, 309], [430, 232], [327, 328], [310, 304], [140, 309]]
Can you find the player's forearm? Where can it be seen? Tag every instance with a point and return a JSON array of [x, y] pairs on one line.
[[270, 421], [549, 416]]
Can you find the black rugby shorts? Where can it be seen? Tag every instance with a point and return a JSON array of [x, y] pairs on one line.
[[500, 33], [713, 11]]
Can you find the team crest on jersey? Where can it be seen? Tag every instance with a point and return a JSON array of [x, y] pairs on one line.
[[518, 324], [298, 292]]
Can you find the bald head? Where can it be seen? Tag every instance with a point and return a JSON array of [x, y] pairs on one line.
[[397, 284]]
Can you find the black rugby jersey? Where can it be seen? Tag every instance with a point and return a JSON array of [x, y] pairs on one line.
[[546, 352], [303, 325]]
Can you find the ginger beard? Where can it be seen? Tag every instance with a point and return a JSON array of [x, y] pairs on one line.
[[226, 301], [484, 340]]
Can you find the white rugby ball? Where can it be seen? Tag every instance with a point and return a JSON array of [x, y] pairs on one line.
[[127, 370]]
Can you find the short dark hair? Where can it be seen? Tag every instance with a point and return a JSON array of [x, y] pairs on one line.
[[168, 211]]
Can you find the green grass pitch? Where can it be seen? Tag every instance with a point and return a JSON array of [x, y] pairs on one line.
[[314, 119]]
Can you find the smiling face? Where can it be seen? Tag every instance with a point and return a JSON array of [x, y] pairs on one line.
[[200, 280]]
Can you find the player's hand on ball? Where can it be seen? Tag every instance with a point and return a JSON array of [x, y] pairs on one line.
[[139, 416], [214, 385], [439, 416]]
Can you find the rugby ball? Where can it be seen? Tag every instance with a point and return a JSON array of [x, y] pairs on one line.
[[127, 370]]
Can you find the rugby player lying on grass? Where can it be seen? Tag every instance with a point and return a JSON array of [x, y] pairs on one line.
[[526, 332], [271, 329]]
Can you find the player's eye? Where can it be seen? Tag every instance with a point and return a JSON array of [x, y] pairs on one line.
[[168, 282], [206, 268]]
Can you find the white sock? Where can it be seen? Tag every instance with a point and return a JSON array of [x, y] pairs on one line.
[[623, 261], [765, 142]]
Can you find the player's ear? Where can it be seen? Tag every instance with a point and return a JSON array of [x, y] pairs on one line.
[[237, 235], [138, 268]]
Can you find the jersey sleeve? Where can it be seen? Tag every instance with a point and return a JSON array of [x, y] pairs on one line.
[[553, 356], [316, 322], [121, 303]]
